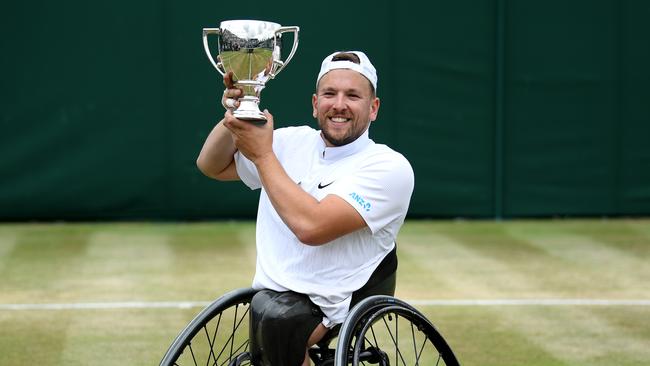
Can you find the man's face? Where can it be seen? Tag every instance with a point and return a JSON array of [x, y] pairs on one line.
[[344, 106]]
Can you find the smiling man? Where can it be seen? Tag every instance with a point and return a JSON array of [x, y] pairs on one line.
[[331, 206]]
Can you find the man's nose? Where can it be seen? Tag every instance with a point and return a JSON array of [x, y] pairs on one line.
[[340, 102]]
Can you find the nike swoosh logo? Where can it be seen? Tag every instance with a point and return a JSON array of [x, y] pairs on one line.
[[321, 186]]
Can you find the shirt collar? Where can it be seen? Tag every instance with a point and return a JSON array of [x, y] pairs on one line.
[[331, 154]]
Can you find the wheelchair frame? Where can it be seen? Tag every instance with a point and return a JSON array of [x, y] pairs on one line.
[[201, 342]]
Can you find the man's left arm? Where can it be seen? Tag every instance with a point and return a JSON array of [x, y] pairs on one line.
[[313, 222]]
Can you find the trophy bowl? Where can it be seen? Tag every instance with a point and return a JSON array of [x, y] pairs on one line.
[[252, 51]]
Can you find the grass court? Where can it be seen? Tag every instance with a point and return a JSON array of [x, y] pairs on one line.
[[547, 292]]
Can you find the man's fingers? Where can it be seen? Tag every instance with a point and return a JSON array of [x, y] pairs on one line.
[[228, 119], [228, 80], [231, 122], [230, 98], [269, 118], [228, 103], [232, 93], [268, 115]]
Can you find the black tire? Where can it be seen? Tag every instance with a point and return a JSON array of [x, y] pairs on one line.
[[387, 331], [216, 336]]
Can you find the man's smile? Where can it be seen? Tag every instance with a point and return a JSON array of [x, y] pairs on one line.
[[339, 120]]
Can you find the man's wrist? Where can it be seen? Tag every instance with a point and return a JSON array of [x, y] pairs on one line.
[[264, 159]]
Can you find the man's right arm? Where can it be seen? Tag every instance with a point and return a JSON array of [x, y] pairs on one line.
[[216, 159]]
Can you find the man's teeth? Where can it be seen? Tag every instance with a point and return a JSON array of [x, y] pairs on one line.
[[339, 119]]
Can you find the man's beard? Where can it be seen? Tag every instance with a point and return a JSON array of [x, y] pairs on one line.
[[338, 142]]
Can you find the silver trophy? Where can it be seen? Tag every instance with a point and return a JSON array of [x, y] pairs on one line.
[[251, 49]]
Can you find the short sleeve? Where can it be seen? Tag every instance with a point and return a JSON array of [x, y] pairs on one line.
[[247, 171], [380, 190]]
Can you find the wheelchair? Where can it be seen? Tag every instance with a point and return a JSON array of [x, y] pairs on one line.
[[379, 330]]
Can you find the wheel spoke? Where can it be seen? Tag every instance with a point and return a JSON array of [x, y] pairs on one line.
[[231, 339], [374, 336], [372, 342], [192, 352], [415, 349], [398, 354], [241, 346], [214, 339], [234, 328]]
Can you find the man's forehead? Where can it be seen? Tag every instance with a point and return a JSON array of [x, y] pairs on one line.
[[344, 79]]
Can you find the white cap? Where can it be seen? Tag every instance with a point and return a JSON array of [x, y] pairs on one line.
[[364, 67]]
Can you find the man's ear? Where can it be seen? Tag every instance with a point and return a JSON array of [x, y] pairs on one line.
[[314, 105], [374, 109]]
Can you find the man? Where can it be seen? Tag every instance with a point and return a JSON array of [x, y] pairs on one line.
[[331, 205]]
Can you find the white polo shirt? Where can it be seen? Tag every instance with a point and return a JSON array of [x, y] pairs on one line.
[[372, 178]]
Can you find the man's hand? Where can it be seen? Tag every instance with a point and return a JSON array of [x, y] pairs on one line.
[[231, 95], [253, 140]]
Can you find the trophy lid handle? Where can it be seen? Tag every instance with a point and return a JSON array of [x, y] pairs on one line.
[[206, 47], [280, 63]]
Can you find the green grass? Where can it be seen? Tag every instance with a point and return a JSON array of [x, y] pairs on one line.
[[587, 259]]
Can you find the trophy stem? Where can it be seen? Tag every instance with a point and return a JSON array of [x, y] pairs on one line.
[[249, 111]]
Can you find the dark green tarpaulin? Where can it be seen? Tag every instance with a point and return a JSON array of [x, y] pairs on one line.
[[504, 108]]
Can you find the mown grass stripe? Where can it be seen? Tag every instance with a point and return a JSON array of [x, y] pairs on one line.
[[569, 333], [7, 244], [429, 302], [455, 269]]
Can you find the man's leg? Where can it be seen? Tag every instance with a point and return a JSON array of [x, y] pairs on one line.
[[281, 325], [314, 338]]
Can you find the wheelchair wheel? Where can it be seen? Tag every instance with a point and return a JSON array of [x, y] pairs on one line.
[[216, 336], [386, 331]]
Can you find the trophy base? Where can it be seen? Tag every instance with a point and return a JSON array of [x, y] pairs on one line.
[[250, 116], [248, 111]]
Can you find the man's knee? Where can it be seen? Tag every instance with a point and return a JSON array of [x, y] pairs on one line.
[[280, 326]]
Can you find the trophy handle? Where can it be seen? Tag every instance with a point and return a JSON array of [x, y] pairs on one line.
[[217, 65], [282, 64]]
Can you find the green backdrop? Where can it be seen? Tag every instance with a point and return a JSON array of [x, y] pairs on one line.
[[504, 108]]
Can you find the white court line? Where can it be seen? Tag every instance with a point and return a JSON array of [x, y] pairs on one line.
[[532, 302], [108, 305], [201, 304]]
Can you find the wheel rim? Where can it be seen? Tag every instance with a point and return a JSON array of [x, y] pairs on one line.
[[397, 336]]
